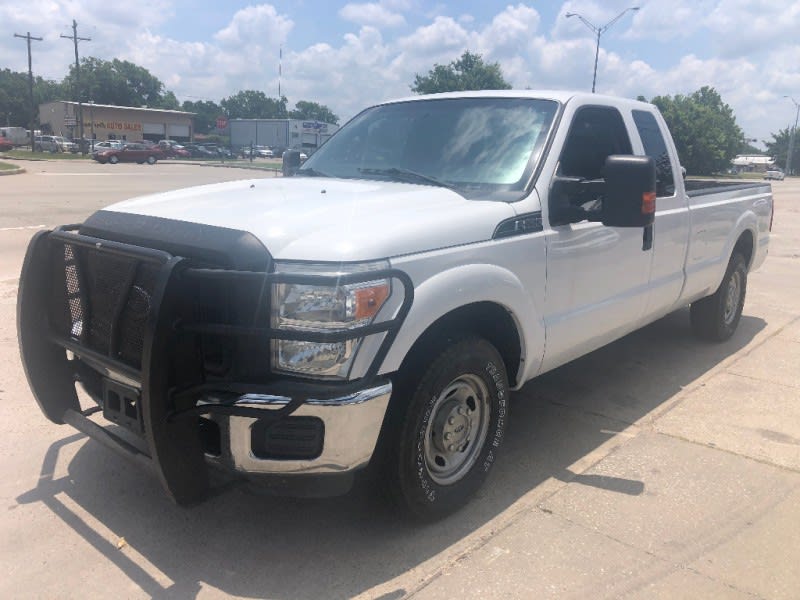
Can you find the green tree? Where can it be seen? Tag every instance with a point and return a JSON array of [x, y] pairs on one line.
[[15, 105], [467, 73], [704, 129], [778, 148], [254, 104], [118, 82], [206, 113], [312, 110]]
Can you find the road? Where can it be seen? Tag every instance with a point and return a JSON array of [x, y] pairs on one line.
[[657, 467]]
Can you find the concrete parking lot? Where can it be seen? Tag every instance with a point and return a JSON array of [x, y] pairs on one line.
[[657, 467]]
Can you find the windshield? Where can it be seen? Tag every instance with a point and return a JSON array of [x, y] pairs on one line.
[[481, 147]]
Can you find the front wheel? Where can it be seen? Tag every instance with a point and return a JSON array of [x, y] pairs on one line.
[[716, 317], [151, 160], [451, 429], [113, 160]]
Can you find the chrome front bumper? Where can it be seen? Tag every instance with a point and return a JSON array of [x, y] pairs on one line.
[[352, 425]]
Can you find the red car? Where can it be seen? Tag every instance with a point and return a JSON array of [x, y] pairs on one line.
[[138, 153], [5, 145]]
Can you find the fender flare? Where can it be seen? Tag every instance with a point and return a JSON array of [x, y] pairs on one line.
[[460, 286]]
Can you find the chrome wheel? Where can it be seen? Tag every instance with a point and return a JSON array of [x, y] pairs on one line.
[[457, 429], [732, 297]]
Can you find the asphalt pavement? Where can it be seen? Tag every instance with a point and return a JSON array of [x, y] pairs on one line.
[[657, 467]]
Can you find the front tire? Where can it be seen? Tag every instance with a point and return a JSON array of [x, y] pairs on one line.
[[450, 428], [113, 160], [716, 317], [151, 160]]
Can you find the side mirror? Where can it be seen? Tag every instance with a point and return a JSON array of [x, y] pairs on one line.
[[630, 191], [291, 162]]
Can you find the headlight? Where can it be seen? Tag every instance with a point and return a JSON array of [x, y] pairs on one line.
[[300, 307]]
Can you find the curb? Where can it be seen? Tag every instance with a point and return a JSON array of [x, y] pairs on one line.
[[15, 171]]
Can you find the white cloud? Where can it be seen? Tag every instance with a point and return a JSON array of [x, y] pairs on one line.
[[747, 49], [256, 25], [371, 13]]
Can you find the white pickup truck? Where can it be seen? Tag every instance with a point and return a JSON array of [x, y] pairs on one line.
[[379, 307]]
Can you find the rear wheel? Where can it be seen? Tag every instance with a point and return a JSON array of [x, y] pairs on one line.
[[113, 159], [447, 432], [716, 317], [151, 160]]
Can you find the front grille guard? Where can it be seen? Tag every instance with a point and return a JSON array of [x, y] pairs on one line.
[[169, 413]]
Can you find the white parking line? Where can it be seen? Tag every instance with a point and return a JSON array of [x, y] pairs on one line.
[[49, 174], [22, 228]]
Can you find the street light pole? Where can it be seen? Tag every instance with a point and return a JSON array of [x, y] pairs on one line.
[[598, 31], [789, 168]]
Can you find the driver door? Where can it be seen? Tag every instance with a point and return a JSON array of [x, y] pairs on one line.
[[597, 276]]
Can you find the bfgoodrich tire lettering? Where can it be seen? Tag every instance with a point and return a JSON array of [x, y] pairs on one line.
[[452, 429], [716, 317]]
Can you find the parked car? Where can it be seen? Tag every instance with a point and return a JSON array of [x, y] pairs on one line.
[[198, 151], [138, 153], [5, 145], [257, 152], [172, 149], [105, 145], [380, 307], [66, 145], [774, 174], [46, 143]]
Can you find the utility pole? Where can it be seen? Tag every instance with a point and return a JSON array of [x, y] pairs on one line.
[[789, 170], [75, 39], [29, 37]]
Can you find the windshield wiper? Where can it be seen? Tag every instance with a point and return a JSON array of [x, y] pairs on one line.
[[311, 172], [410, 176]]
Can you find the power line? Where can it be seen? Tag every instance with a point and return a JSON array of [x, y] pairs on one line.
[[29, 37], [75, 39]]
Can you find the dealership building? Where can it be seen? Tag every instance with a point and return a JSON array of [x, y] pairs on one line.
[[108, 122]]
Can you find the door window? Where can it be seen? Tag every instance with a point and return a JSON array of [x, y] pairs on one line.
[[656, 148], [596, 133]]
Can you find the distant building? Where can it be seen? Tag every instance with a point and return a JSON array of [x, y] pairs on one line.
[[296, 134], [108, 122], [752, 163]]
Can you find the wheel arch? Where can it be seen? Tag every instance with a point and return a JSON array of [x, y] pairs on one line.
[[745, 244], [488, 320]]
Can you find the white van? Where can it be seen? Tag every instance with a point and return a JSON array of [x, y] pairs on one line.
[[18, 136]]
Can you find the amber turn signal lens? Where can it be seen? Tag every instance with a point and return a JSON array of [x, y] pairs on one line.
[[369, 300], [648, 203]]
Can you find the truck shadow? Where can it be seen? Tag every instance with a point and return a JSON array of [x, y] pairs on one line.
[[258, 546]]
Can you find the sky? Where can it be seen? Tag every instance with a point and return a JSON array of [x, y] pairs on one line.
[[348, 55]]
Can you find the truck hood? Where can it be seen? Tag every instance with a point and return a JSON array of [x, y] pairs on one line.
[[322, 219]]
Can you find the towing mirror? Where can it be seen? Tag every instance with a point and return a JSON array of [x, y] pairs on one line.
[[291, 162], [630, 191]]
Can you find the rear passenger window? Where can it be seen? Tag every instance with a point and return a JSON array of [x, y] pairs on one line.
[[655, 147]]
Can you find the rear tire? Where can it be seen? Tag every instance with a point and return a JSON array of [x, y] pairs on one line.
[[151, 160], [113, 160], [446, 427], [716, 317]]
